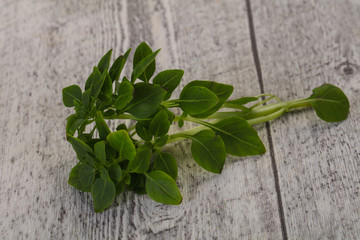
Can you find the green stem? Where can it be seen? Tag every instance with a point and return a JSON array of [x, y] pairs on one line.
[[264, 101], [267, 118], [270, 96], [170, 103], [180, 135], [255, 112], [126, 116], [258, 115], [300, 103]]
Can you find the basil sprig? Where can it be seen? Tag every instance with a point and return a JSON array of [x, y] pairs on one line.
[[132, 157]]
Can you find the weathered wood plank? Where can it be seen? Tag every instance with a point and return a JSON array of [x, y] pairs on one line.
[[214, 206], [47, 45], [44, 47], [303, 44]]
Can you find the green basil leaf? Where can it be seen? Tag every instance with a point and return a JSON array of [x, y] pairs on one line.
[[116, 172], [166, 162], [222, 91], [80, 147], [98, 82], [118, 66], [146, 100], [103, 194], [122, 143], [107, 87], [109, 114], [69, 121], [92, 141], [90, 81], [87, 176], [120, 187], [70, 94], [104, 174], [111, 153], [161, 141], [141, 162], [82, 177], [127, 177], [143, 132], [89, 159], [85, 137], [121, 126], [181, 123], [105, 61], [125, 94], [208, 150], [140, 70], [147, 68], [103, 102], [86, 98], [162, 188], [117, 86], [100, 153], [330, 103], [80, 110], [239, 137], [160, 124], [101, 125], [73, 123], [169, 80], [196, 100], [171, 115]]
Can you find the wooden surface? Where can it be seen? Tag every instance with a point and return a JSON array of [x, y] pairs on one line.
[[305, 187], [318, 164]]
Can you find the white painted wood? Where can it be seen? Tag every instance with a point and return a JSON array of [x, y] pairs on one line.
[[303, 44], [47, 45]]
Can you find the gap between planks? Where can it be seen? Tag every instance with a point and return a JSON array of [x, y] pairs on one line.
[[268, 132]]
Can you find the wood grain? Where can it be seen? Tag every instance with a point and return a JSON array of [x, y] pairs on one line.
[[303, 45], [204, 214], [46, 46]]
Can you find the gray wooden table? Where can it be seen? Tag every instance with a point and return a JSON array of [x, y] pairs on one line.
[[305, 187]]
